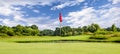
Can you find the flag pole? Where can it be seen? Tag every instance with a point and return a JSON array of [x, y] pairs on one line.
[[60, 28], [60, 19]]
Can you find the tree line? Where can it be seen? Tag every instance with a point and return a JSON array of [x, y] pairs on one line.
[[90, 29], [33, 30]]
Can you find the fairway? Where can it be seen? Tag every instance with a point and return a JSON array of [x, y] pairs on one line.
[[59, 48]]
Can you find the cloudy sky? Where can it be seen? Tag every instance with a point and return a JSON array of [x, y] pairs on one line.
[[45, 13]]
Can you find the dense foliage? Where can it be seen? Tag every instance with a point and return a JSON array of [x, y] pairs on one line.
[[33, 30], [19, 30]]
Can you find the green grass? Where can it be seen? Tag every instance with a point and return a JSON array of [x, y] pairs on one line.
[[81, 38], [42, 38], [59, 48], [8, 46]]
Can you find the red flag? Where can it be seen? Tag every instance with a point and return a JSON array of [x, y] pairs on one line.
[[60, 17]]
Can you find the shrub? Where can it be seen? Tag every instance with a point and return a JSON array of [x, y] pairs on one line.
[[18, 34], [116, 35], [88, 33], [2, 34], [101, 37], [117, 40], [104, 32], [10, 33]]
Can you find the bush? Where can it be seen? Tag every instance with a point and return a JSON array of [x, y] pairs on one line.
[[117, 40], [116, 35], [101, 37], [26, 34], [18, 34], [10, 33], [104, 32], [2, 35]]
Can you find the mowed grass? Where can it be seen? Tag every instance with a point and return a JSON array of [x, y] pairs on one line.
[[59, 48], [9, 46]]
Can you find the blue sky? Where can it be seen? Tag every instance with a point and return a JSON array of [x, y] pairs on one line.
[[45, 13]]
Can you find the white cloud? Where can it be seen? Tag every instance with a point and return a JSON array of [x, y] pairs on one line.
[[115, 1], [80, 18], [7, 6], [10, 23], [7, 9], [67, 3], [36, 11], [43, 22], [26, 2], [103, 17]]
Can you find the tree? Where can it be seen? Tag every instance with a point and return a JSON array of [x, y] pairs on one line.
[[118, 29], [97, 27], [10, 33], [108, 29], [113, 28], [34, 27], [85, 29], [57, 32], [47, 32], [18, 29], [33, 30], [74, 31], [94, 28], [66, 31], [79, 30], [27, 31]]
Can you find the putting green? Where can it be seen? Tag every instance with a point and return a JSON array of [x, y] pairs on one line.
[[59, 48]]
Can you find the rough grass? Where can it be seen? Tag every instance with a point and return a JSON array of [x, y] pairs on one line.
[[81, 38], [42, 38]]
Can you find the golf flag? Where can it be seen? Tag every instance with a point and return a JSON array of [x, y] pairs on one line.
[[60, 17]]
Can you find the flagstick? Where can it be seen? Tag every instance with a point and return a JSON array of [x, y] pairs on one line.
[[60, 19], [60, 28]]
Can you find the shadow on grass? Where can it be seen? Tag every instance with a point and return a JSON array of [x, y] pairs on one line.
[[64, 41]]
